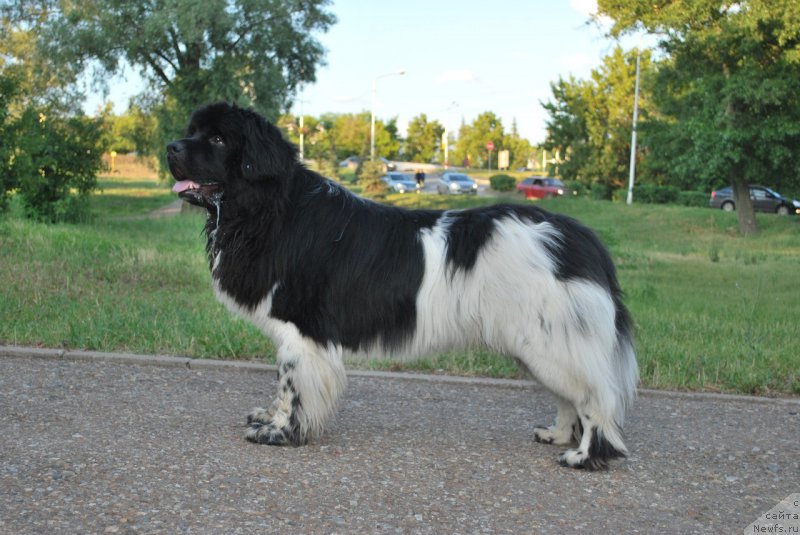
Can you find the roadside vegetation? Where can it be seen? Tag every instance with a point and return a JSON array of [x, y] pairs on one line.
[[714, 311]]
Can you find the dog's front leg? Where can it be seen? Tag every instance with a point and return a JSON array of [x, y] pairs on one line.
[[311, 380]]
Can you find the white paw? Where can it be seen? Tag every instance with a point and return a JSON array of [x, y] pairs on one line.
[[573, 458], [552, 435], [258, 415]]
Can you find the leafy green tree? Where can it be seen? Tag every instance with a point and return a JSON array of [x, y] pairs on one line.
[[472, 140], [728, 90], [351, 136], [8, 87], [48, 158], [423, 139], [387, 139], [251, 53], [520, 149], [567, 130], [39, 80], [590, 121]]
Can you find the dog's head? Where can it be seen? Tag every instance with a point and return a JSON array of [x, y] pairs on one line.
[[233, 154]]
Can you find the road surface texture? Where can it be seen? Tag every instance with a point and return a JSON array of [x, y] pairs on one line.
[[99, 443]]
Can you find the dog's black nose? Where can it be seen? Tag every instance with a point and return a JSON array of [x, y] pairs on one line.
[[175, 146]]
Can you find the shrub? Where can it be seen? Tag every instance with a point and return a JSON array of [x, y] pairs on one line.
[[369, 176], [693, 198], [328, 167], [502, 183], [601, 192], [577, 187], [653, 194], [55, 163]]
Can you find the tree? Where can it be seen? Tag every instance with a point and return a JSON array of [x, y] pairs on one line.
[[369, 176], [590, 121], [423, 139], [473, 138], [250, 53], [8, 87], [728, 90], [567, 131], [39, 80], [50, 153], [520, 149], [351, 136]]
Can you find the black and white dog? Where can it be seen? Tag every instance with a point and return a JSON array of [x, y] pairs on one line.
[[325, 274]]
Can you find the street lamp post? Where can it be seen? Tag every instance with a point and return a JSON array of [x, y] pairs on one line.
[[372, 120], [633, 131], [302, 126]]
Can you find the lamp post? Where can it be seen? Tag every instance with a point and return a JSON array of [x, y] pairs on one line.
[[302, 126], [633, 131], [372, 121]]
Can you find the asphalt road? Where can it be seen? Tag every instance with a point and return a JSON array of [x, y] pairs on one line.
[[90, 445]]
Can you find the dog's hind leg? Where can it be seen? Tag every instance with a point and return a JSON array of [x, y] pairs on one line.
[[601, 441], [311, 380], [567, 427]]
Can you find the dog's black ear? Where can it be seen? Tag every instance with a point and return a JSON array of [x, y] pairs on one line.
[[265, 154]]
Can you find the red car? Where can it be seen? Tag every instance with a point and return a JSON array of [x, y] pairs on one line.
[[540, 187]]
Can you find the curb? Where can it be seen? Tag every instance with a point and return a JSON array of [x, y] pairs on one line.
[[238, 365]]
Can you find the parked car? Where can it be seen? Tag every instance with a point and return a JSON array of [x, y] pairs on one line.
[[388, 166], [400, 182], [763, 199], [351, 162], [540, 187], [456, 183]]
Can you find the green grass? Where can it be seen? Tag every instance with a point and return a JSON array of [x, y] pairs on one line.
[[124, 197], [713, 311]]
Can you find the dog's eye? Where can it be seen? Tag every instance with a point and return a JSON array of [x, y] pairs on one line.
[[216, 140]]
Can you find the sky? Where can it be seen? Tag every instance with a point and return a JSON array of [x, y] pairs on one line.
[[460, 58]]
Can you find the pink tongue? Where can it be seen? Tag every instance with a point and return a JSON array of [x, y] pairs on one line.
[[183, 185]]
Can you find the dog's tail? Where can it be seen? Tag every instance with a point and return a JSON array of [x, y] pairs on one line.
[[626, 369], [606, 442]]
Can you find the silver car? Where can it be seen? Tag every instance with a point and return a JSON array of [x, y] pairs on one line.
[[456, 183], [400, 182]]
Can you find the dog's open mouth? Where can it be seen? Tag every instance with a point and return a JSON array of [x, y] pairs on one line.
[[194, 193]]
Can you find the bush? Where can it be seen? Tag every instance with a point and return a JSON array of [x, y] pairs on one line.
[[693, 198], [577, 188], [9, 86], [653, 194], [369, 176], [55, 163], [601, 192], [502, 183], [328, 167]]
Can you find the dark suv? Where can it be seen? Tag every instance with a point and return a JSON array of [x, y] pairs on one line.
[[764, 200]]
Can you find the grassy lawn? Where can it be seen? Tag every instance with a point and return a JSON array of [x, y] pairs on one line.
[[713, 311]]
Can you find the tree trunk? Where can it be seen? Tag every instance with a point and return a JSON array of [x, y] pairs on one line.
[[739, 184], [744, 205]]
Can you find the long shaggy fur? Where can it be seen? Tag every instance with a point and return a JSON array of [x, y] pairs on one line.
[[325, 274]]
